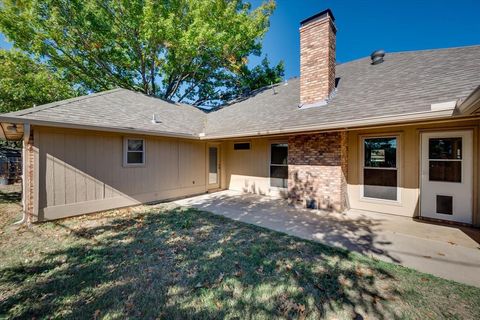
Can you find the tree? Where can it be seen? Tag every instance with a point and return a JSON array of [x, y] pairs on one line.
[[258, 77], [25, 82], [184, 50]]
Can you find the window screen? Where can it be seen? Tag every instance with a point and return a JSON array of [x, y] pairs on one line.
[[279, 165], [380, 173], [135, 151], [445, 159]]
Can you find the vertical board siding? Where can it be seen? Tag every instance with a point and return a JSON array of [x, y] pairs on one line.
[[59, 175], [90, 185], [81, 167], [69, 167]]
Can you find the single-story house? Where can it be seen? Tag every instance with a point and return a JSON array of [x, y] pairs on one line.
[[396, 133]]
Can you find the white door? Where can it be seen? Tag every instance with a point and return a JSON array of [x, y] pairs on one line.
[[446, 176]]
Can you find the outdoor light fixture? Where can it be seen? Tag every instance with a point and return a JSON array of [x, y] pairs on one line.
[[13, 127]]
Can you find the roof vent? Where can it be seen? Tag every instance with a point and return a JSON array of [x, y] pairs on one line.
[[377, 56], [156, 118]]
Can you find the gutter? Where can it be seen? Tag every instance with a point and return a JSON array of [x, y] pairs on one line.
[[98, 128], [331, 126], [343, 125]]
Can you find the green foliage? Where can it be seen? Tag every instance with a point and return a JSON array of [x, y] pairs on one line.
[[184, 50], [25, 82], [260, 76]]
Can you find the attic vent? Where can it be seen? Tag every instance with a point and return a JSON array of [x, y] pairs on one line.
[[156, 118], [241, 146], [377, 56]]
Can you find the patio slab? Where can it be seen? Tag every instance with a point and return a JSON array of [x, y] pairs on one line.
[[445, 251]]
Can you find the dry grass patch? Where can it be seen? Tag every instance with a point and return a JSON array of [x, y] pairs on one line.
[[177, 263]]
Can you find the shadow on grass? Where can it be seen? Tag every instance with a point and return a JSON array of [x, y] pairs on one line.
[[192, 264], [357, 235]]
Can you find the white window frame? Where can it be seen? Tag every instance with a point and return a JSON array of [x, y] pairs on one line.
[[125, 152], [462, 177], [397, 168], [270, 164]]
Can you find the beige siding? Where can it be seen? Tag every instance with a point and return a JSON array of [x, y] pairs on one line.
[[409, 172], [248, 170], [82, 171]]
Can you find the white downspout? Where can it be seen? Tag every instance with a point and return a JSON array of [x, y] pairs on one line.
[[26, 138]]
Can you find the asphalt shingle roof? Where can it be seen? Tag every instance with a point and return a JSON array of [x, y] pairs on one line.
[[406, 82], [121, 109]]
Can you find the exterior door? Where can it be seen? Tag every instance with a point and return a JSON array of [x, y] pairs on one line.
[[213, 166], [447, 176]]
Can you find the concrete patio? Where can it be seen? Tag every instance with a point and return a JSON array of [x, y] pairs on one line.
[[445, 251]]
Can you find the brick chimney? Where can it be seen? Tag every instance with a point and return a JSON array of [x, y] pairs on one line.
[[317, 57]]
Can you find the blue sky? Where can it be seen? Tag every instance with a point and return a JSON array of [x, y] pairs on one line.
[[364, 26]]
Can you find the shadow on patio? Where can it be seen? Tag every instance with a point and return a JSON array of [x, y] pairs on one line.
[[441, 250], [331, 228]]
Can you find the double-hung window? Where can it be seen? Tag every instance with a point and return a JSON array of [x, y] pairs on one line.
[[380, 168], [134, 152]]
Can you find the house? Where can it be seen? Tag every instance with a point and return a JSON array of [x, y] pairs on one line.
[[395, 133]]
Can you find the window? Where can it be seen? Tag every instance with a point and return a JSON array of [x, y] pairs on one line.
[[213, 165], [380, 171], [241, 146], [445, 159], [279, 165], [134, 152]]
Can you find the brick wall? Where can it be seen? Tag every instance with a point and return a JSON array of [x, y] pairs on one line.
[[317, 168], [317, 59]]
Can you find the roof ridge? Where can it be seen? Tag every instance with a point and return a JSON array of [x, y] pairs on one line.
[[166, 100], [435, 49], [258, 90], [410, 51], [31, 110]]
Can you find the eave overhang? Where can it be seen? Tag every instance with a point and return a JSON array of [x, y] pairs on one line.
[[415, 117], [471, 104]]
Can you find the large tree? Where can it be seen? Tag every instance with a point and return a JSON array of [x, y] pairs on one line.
[[184, 50], [25, 82]]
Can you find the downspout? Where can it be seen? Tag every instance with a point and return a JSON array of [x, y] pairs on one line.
[[26, 138]]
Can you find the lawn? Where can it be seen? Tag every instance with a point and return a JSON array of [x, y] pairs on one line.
[[164, 262]]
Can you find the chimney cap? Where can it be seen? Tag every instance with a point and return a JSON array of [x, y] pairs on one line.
[[324, 13]]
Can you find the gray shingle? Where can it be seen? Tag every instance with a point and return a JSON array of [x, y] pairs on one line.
[[406, 82], [121, 109]]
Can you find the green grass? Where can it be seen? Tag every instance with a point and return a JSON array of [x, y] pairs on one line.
[[176, 263]]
